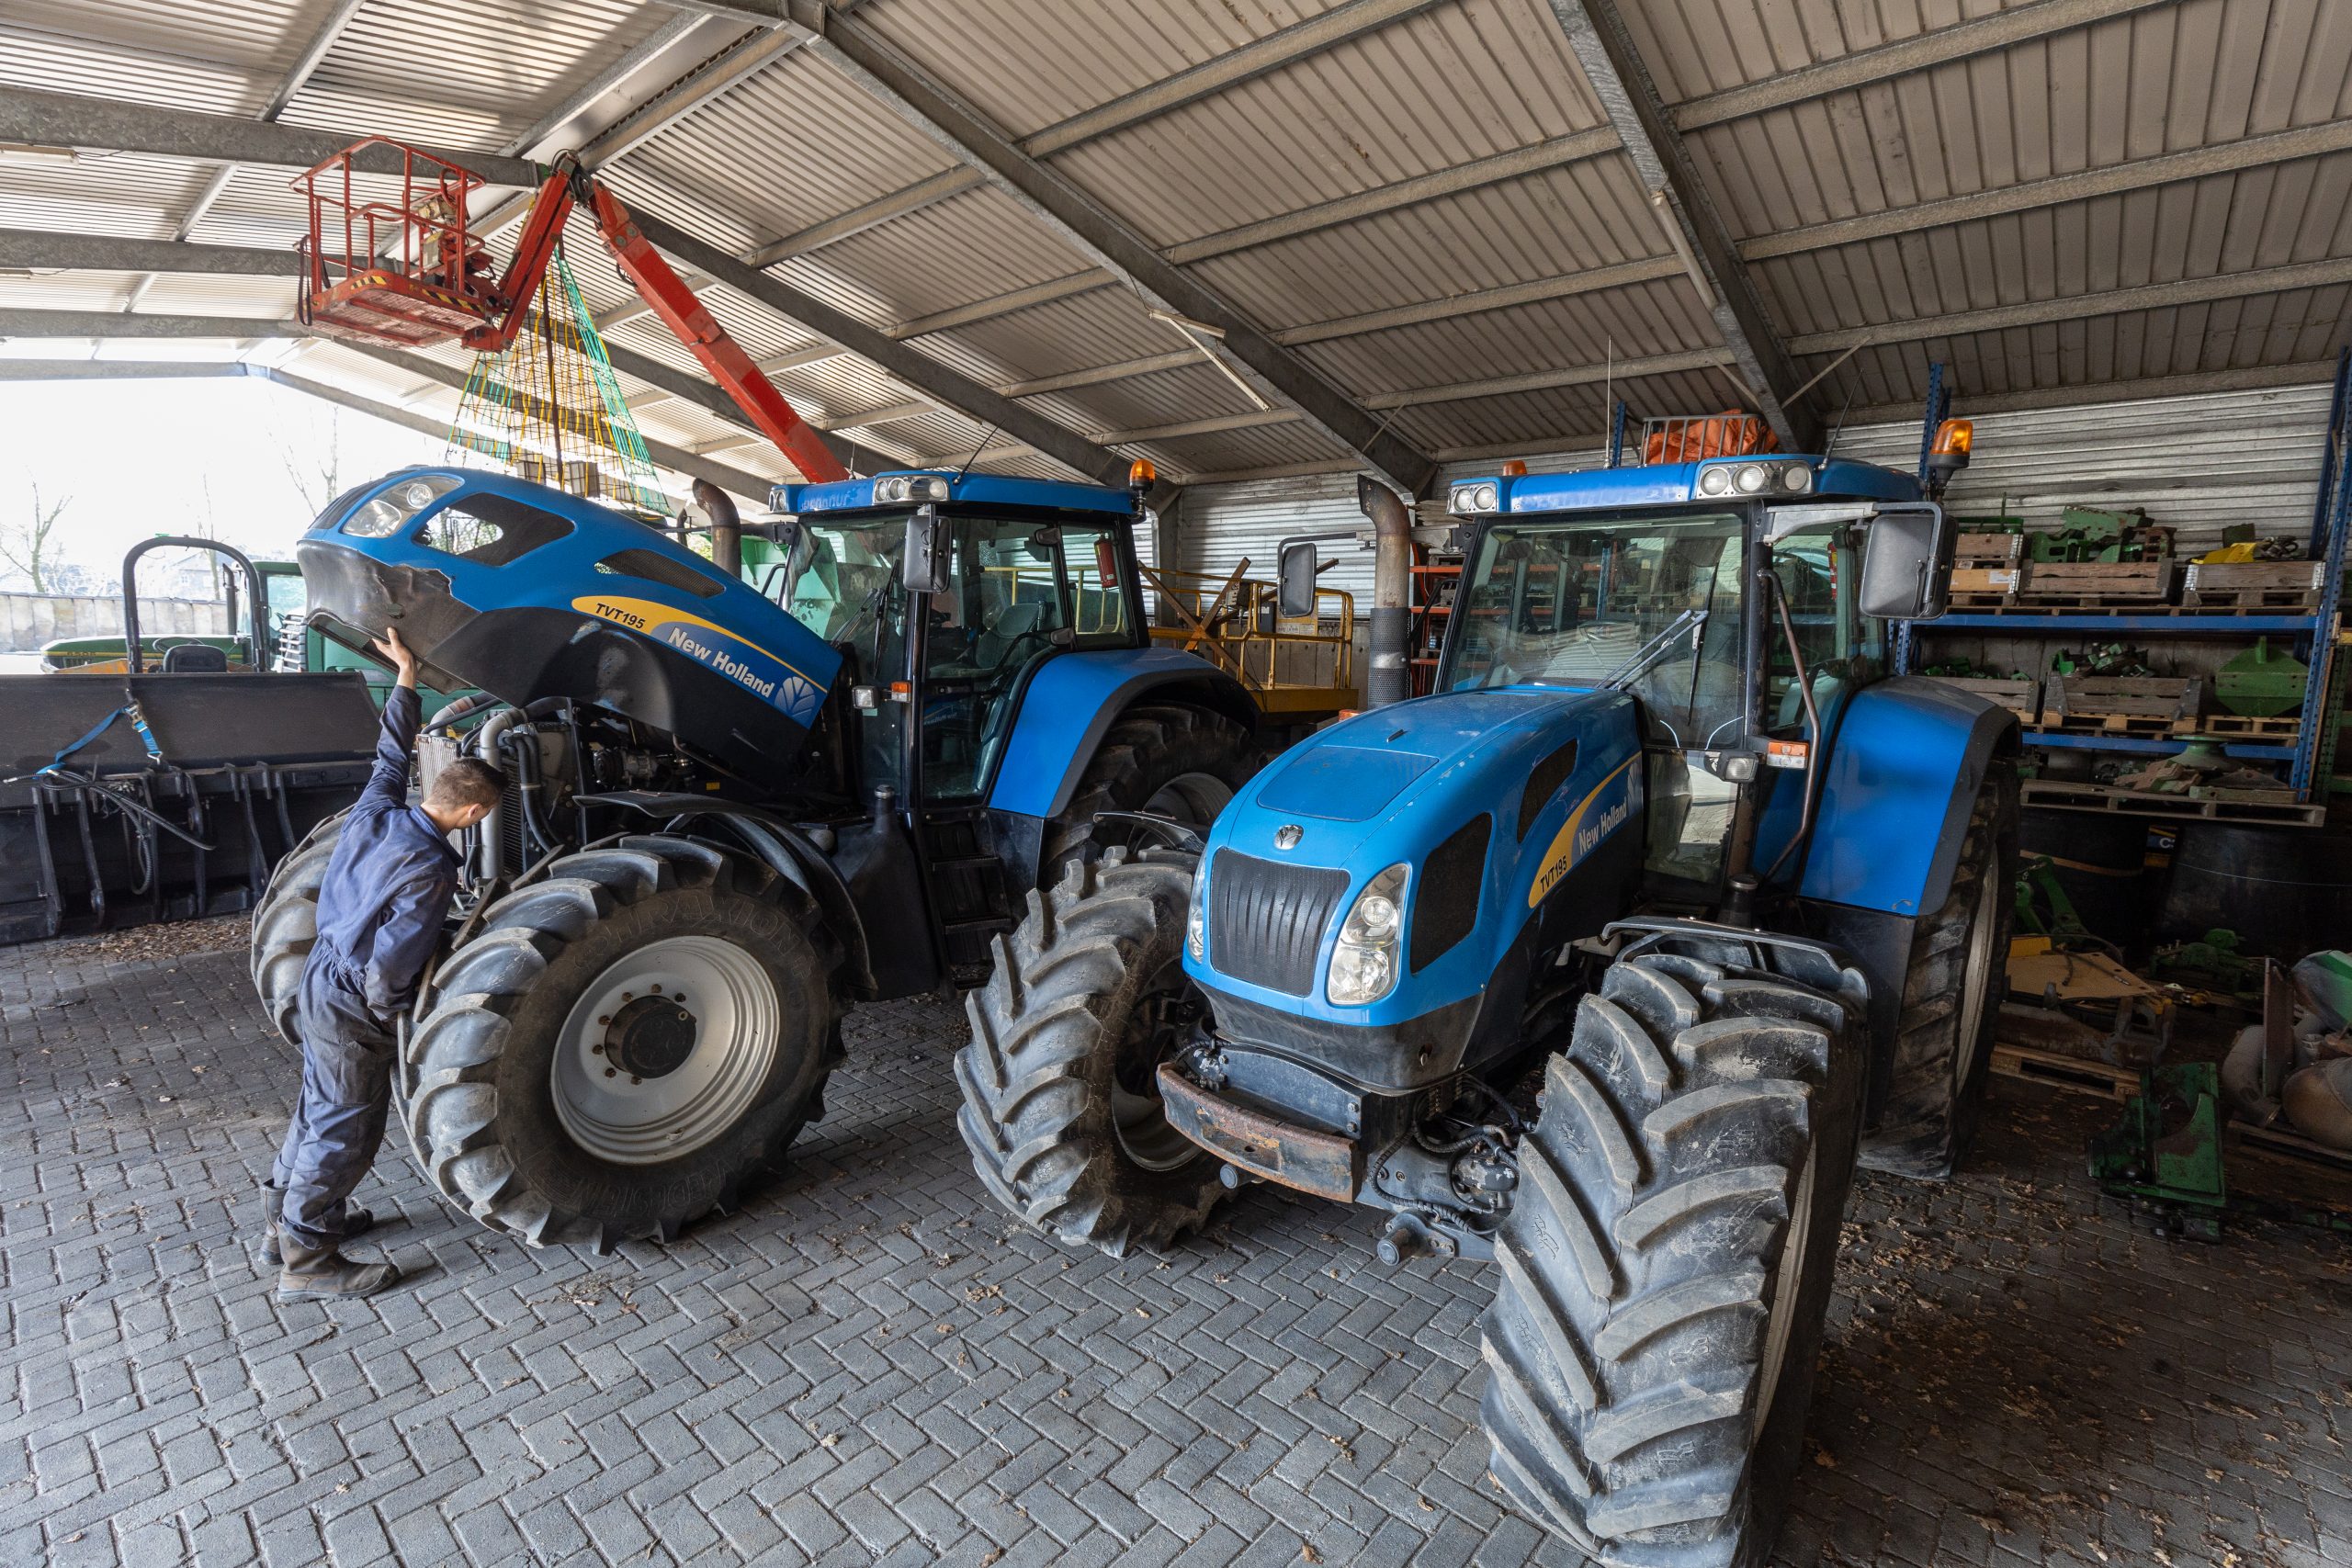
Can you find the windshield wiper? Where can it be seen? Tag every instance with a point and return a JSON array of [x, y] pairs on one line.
[[1650, 652]]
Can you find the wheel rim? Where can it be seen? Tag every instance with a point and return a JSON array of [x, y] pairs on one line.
[[1194, 799], [1976, 981], [1162, 1019], [1788, 1285], [665, 1050]]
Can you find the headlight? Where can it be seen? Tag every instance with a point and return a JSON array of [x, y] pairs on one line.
[[1471, 500], [892, 488], [1715, 481], [1364, 962], [1796, 478], [385, 513], [1751, 478], [1196, 924]]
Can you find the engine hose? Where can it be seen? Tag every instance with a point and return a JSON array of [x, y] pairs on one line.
[[461, 709]]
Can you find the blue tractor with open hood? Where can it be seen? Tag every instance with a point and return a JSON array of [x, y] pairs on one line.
[[1605, 962], [744, 793]]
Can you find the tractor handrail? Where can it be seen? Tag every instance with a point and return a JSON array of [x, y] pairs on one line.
[[256, 596]]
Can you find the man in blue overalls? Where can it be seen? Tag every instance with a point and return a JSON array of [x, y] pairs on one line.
[[382, 905]]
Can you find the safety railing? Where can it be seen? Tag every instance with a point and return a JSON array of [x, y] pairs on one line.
[[420, 233], [1238, 624]]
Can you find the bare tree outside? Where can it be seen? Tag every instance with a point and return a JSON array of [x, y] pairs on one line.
[[24, 544], [314, 464]]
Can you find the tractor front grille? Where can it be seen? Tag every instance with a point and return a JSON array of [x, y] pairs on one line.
[[1267, 919]]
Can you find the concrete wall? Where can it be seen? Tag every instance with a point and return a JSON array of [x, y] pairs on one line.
[[29, 620]]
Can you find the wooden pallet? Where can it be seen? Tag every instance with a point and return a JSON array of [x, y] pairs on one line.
[[2264, 805], [2253, 587], [2124, 724], [1979, 583], [2281, 727], [2084, 584], [2020, 697], [2065, 1072], [2134, 705]]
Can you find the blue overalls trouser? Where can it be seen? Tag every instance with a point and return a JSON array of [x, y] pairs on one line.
[[347, 1095]]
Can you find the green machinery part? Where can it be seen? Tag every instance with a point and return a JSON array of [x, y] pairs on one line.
[[2165, 1155]]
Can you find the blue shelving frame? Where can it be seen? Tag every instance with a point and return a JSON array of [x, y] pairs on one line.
[[2331, 522]]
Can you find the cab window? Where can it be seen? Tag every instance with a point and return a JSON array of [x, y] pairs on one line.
[[491, 529], [1817, 574]]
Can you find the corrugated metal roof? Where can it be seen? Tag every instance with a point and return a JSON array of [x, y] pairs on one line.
[[1400, 115]]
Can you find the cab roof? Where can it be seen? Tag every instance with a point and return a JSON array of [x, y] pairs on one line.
[[970, 489], [1677, 484]]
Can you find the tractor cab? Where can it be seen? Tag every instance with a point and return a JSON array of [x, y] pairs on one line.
[[1730, 599], [944, 593]]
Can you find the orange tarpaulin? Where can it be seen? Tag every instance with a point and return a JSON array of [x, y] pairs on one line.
[[1728, 435]]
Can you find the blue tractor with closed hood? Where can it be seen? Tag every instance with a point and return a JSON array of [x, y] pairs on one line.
[[1606, 962], [743, 794]]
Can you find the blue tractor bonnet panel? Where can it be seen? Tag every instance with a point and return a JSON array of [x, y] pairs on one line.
[[1906, 763], [528, 592], [945, 485], [1678, 484], [1569, 761], [1072, 700]]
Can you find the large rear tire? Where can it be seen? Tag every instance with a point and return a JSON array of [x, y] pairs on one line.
[[1062, 1104], [286, 926], [1665, 1269], [624, 1046], [1183, 763], [1951, 1001]]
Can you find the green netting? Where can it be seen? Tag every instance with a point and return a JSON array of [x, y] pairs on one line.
[[549, 408]]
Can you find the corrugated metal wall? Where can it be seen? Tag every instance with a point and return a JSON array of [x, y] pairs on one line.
[[2196, 463], [1221, 524]]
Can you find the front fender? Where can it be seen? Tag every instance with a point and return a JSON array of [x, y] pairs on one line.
[[1070, 703], [1906, 763]]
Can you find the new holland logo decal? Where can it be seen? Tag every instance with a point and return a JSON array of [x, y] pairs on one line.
[[753, 668], [1596, 817]]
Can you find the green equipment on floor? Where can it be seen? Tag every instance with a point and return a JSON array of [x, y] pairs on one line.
[[2166, 1156]]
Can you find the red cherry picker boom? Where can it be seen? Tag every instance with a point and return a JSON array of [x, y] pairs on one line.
[[395, 260]]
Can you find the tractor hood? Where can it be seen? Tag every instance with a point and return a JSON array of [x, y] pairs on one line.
[[1490, 800], [528, 593]]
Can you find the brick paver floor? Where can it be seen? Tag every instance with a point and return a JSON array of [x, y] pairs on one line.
[[871, 1363]]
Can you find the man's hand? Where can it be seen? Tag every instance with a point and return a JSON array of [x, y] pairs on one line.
[[391, 649]]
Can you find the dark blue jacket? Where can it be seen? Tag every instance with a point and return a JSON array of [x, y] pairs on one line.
[[387, 887]]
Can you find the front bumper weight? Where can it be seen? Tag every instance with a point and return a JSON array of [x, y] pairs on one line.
[[1325, 1164]]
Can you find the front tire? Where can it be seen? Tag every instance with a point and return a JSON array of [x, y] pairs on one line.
[[625, 1044], [1666, 1265], [1951, 1001], [1061, 1106], [286, 927], [1182, 762]]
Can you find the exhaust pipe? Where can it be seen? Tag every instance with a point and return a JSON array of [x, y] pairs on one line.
[[1392, 583]]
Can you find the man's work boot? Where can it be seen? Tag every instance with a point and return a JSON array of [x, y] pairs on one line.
[[354, 1223], [323, 1274]]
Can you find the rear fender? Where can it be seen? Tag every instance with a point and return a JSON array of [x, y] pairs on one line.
[[1904, 766], [1071, 702], [787, 851]]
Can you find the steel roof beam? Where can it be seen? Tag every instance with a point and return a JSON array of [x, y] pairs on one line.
[[119, 369], [70, 120], [2193, 383], [129, 324], [928, 107], [322, 38], [2080, 307], [2115, 179], [1604, 47], [35, 250], [1943, 46], [1921, 52]]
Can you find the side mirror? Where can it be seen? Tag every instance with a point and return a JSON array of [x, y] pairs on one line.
[[923, 568], [1295, 579], [1907, 563]]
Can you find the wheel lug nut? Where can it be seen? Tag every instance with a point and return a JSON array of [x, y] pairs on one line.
[[634, 1078], [604, 1018], [596, 1050], [608, 1072], [625, 996]]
